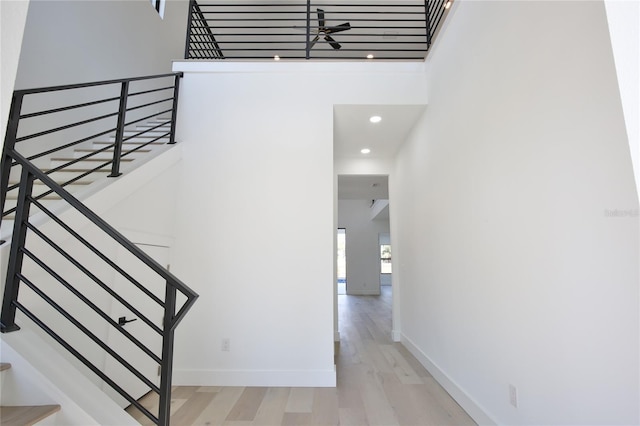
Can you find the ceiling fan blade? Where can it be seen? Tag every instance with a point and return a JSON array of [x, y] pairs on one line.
[[313, 42], [342, 27], [320, 18], [332, 42]]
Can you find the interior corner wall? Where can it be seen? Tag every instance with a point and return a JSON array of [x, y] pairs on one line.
[[69, 41], [363, 248], [515, 218], [255, 230]]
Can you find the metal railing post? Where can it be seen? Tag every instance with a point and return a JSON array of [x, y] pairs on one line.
[[308, 43], [189, 23], [12, 283], [174, 113], [164, 414], [117, 148], [427, 17], [9, 145]]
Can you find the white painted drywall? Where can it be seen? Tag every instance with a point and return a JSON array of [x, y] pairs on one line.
[[363, 249], [255, 225], [515, 224], [13, 14], [68, 42]]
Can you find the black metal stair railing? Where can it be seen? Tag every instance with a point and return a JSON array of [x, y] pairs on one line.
[[61, 272], [313, 29]]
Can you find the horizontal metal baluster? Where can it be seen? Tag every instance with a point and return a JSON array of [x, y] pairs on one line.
[[85, 361], [93, 307]]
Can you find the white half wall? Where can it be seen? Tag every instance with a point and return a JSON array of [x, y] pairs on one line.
[[255, 229], [515, 218]]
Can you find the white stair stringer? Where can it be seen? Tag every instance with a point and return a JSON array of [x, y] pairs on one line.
[[40, 375]]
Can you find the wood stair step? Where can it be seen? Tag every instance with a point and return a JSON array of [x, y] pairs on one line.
[[26, 415], [87, 150], [89, 163], [133, 142], [87, 159]]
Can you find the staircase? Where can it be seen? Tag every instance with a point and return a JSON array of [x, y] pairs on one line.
[[63, 278], [91, 163], [24, 415]]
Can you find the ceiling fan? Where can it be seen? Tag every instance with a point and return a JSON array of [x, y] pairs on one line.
[[324, 30]]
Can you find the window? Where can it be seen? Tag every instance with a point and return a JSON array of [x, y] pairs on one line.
[[158, 5], [385, 258]]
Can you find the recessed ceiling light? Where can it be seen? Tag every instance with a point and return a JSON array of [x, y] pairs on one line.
[[375, 119], [447, 5], [369, 56], [276, 58], [365, 150]]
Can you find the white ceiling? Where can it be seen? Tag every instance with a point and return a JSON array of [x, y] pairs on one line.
[[363, 187], [352, 131]]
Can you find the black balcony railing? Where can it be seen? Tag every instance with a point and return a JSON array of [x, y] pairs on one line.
[[398, 30], [62, 273]]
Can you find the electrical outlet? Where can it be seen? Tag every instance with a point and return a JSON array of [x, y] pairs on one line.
[[226, 345], [513, 395]]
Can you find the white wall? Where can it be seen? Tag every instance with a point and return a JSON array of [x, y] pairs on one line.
[[67, 42], [514, 267], [624, 26], [13, 15], [363, 248], [255, 228]]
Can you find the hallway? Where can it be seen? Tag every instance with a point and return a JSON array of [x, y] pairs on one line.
[[379, 383]]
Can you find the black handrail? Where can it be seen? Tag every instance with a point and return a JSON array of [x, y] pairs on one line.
[[133, 105], [34, 271], [392, 30]]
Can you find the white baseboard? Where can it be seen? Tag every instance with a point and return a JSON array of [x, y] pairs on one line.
[[396, 336], [266, 378], [477, 413]]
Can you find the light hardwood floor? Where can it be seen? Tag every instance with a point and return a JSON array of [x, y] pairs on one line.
[[379, 383]]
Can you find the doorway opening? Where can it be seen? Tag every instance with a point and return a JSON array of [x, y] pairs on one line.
[[342, 260]]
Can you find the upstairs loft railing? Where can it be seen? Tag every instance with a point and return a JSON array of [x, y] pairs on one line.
[[330, 30], [69, 273]]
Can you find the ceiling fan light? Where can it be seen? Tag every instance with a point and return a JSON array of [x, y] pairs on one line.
[[365, 151], [375, 119]]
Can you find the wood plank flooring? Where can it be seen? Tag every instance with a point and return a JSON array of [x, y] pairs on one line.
[[379, 383]]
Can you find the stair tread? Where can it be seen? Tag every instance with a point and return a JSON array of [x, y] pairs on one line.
[[26, 415], [87, 159], [106, 150], [4, 366], [106, 168]]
